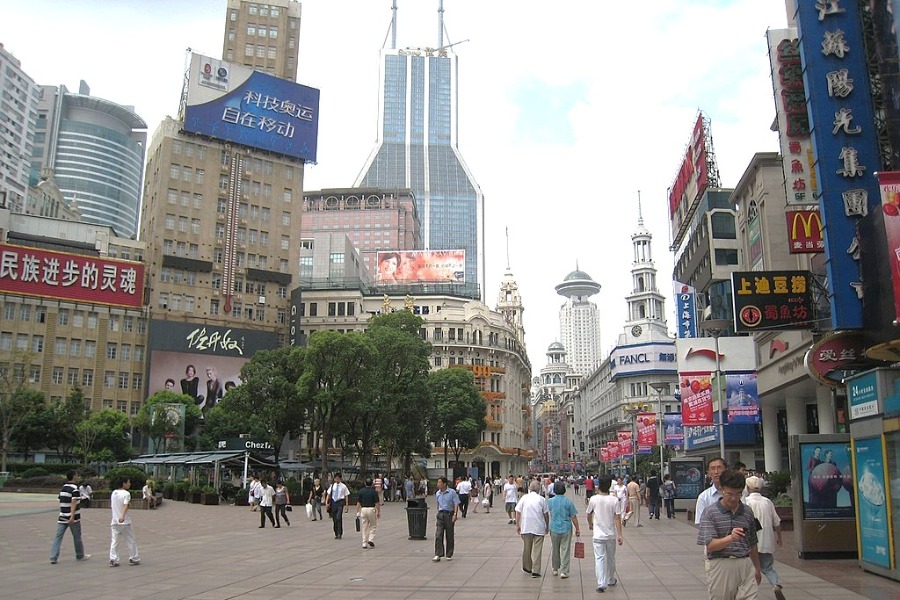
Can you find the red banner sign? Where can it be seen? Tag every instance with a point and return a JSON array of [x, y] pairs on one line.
[[626, 447], [613, 450], [646, 429], [44, 273], [696, 399], [805, 231], [890, 205], [604, 454]]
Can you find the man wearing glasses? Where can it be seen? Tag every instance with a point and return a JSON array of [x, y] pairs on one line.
[[713, 493], [728, 533]]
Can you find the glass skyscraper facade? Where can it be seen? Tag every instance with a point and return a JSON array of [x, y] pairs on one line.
[[417, 149]]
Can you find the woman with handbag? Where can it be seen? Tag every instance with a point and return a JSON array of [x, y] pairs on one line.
[[315, 498], [282, 504], [563, 516]]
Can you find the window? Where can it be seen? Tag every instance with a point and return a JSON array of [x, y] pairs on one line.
[[126, 351], [6, 341], [260, 52], [113, 322], [25, 313], [92, 320], [62, 317], [286, 219], [137, 381], [251, 30], [109, 379], [128, 324], [287, 195], [87, 378], [726, 256], [286, 243], [9, 311], [174, 171], [37, 344], [57, 376], [75, 348], [170, 222], [183, 224], [90, 348], [34, 374], [61, 348], [123, 380], [261, 31], [199, 176], [213, 307], [313, 309], [78, 318], [263, 238], [112, 350], [273, 32], [248, 49], [139, 353], [723, 226], [72, 376]]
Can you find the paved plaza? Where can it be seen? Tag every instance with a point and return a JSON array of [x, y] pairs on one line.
[[189, 551]]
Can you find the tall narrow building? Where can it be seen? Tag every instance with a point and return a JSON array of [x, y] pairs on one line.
[[263, 36], [579, 321], [417, 148], [646, 305], [18, 108]]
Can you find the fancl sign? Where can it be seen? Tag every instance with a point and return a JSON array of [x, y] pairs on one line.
[[643, 358]]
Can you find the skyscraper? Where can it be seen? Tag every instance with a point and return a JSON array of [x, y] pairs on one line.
[[579, 321], [18, 114], [417, 148]]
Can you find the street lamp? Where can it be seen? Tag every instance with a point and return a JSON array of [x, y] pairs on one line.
[[715, 328], [660, 387]]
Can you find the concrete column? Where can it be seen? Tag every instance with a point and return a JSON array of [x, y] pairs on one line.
[[796, 415], [825, 406], [771, 447]]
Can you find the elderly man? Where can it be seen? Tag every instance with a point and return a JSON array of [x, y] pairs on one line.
[[532, 523], [769, 535], [728, 533], [448, 508]]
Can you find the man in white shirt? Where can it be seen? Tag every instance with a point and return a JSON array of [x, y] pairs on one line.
[[463, 490], [120, 526], [713, 493], [769, 536], [620, 491], [266, 500], [510, 496], [253, 495], [604, 516], [532, 523], [336, 503]]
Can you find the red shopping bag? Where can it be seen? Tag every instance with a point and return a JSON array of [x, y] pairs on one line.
[[579, 549]]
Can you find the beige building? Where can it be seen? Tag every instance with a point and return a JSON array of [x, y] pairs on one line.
[[264, 36]]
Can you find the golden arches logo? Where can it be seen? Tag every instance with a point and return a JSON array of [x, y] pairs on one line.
[[807, 219]]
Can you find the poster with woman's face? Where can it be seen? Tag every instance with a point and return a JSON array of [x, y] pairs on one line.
[[194, 374], [827, 480]]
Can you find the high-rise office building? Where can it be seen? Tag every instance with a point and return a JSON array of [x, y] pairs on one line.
[[579, 321], [417, 148], [95, 151], [18, 115], [221, 218]]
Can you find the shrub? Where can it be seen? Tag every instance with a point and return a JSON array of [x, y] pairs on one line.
[[228, 491], [195, 489], [777, 483], [34, 472], [295, 489], [137, 476], [54, 481], [207, 489]]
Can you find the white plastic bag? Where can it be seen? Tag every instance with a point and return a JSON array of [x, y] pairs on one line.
[[309, 510]]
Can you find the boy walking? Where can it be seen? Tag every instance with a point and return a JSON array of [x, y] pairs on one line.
[[120, 526], [604, 516]]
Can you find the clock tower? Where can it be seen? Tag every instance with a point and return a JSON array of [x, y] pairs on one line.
[[646, 306]]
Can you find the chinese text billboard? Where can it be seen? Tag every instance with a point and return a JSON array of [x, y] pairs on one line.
[[646, 430], [742, 398], [674, 431], [237, 104], [772, 300], [421, 266], [686, 310], [696, 399]]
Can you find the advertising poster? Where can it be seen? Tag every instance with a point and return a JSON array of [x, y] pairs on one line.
[[696, 399], [686, 310], [871, 500], [688, 478], [613, 450], [646, 427], [889, 182], [742, 398], [626, 444], [827, 481], [604, 454], [673, 429], [421, 266]]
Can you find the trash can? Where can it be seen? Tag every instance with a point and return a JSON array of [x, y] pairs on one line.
[[417, 518]]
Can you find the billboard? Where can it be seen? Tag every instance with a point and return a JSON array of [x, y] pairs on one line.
[[202, 361], [801, 186], [686, 309], [872, 501], [772, 300], [836, 78], [805, 231], [688, 478], [646, 430], [696, 398], [48, 274], [674, 431], [237, 104], [889, 183], [742, 398], [420, 266], [827, 480], [690, 182], [643, 358]]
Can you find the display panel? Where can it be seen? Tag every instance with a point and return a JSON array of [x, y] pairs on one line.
[[827, 479]]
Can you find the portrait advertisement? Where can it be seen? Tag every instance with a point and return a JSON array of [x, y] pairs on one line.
[[827, 479]]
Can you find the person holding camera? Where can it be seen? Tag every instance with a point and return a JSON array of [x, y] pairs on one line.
[[728, 531]]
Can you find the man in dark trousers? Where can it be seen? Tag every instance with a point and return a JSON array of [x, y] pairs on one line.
[[448, 507], [653, 497], [69, 518]]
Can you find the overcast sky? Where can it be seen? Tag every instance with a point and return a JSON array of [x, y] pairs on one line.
[[566, 109]]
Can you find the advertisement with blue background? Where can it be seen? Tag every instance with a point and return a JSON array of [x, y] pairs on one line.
[[673, 431], [707, 436], [871, 501], [237, 104], [843, 133], [827, 481], [742, 398], [688, 477], [686, 310]]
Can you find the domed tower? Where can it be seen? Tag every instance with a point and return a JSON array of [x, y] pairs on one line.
[[579, 321]]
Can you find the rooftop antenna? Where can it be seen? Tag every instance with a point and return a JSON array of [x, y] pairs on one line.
[[507, 248], [440, 24], [640, 214]]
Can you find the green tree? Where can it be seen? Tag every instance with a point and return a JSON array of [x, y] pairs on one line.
[[16, 399], [459, 410], [32, 432], [104, 436], [269, 394], [333, 381], [160, 425], [66, 414]]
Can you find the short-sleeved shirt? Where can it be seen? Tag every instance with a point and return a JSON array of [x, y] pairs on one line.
[[717, 522], [510, 492], [368, 497], [69, 496], [589, 483], [446, 500], [118, 500], [463, 487], [707, 498], [561, 512], [532, 508], [604, 509]]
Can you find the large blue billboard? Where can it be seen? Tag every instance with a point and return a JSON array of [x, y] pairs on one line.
[[872, 502], [839, 99], [237, 104]]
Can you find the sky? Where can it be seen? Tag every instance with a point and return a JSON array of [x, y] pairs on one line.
[[568, 110]]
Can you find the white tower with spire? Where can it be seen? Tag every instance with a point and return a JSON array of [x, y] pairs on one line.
[[509, 302], [646, 306], [579, 321]]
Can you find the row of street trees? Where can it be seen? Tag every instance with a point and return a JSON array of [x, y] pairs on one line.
[[366, 391]]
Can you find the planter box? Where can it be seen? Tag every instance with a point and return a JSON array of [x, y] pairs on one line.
[[168, 494], [193, 497], [180, 495], [786, 514], [209, 499]]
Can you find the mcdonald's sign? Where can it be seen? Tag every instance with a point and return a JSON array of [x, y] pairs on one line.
[[805, 231]]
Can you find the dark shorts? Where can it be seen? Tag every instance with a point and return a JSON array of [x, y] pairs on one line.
[[588, 493], [510, 507]]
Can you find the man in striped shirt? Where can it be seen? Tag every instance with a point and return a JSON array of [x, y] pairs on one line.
[[728, 532], [69, 518]]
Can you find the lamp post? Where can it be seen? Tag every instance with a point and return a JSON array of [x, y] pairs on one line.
[[660, 387], [715, 328]]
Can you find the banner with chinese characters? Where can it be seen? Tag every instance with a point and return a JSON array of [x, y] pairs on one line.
[[613, 450], [646, 430], [806, 234], [844, 135], [626, 446], [742, 398], [777, 300], [686, 309], [48, 274], [604, 454], [696, 399], [890, 205], [674, 432]]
